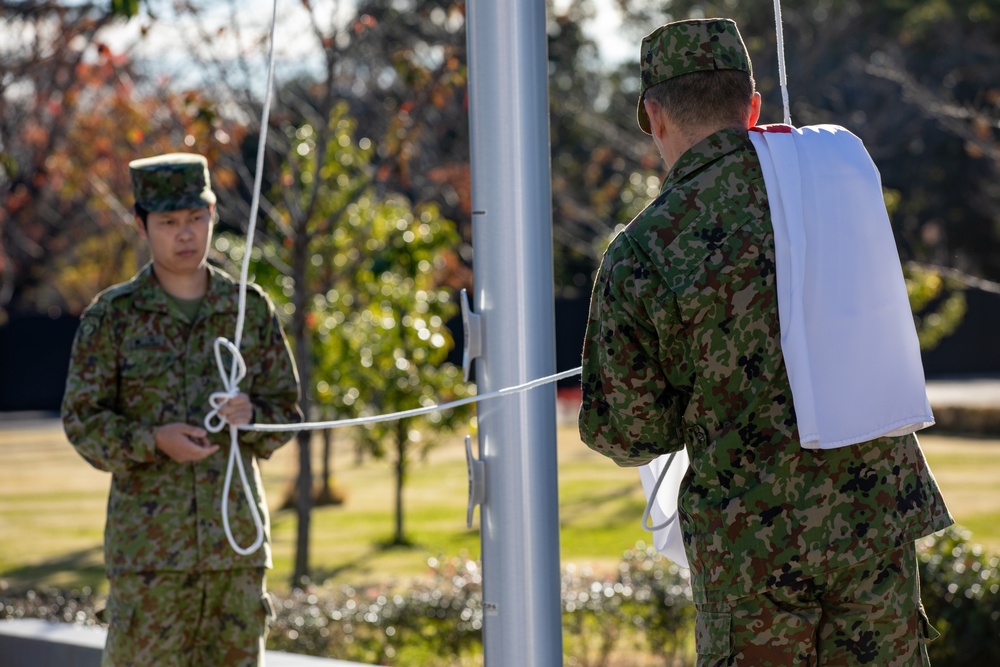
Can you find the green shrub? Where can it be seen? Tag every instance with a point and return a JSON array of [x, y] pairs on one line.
[[435, 618], [80, 607], [640, 615], [961, 593]]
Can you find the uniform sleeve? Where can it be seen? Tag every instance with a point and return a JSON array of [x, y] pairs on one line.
[[275, 390], [629, 413], [102, 436]]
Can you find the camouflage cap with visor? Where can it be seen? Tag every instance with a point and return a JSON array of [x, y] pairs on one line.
[[683, 47], [171, 182]]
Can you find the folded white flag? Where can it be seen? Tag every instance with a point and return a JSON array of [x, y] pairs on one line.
[[847, 332]]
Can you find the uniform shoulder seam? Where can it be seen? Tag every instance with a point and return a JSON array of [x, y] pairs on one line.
[[108, 295]]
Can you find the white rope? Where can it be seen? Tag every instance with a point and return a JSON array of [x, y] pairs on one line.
[[215, 422], [652, 499], [782, 73], [361, 421]]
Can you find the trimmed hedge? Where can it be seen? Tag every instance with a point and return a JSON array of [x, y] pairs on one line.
[[642, 615]]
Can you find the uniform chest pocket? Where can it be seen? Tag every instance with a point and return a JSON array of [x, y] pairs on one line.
[[146, 363]]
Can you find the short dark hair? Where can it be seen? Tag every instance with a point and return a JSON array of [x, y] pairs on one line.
[[720, 98]]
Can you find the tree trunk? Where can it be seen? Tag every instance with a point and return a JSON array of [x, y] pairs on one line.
[[303, 509], [327, 462], [401, 442], [303, 349]]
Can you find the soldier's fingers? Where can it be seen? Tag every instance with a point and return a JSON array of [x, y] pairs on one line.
[[198, 453], [205, 452], [240, 402], [192, 431]]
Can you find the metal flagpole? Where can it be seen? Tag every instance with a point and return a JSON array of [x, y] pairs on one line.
[[512, 238]]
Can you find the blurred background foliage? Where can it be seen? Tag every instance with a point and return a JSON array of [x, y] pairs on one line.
[[914, 79]]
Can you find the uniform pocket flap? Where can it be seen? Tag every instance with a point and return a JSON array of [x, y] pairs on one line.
[[713, 634], [119, 614]]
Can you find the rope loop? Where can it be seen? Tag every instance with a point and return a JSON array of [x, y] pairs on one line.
[[236, 460], [214, 422]]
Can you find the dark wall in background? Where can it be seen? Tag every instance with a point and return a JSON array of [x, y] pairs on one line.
[[571, 326], [34, 357], [34, 351], [975, 348]]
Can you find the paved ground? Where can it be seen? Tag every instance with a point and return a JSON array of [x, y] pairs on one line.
[[964, 391], [31, 641]]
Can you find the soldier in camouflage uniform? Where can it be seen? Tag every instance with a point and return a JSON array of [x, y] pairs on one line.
[[136, 396], [798, 556]]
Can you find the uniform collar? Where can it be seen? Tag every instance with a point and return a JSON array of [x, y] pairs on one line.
[[706, 151], [222, 295]]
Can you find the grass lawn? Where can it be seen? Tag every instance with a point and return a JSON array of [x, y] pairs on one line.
[[52, 508]]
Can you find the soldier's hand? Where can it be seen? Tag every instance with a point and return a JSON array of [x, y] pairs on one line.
[[184, 443], [237, 410]]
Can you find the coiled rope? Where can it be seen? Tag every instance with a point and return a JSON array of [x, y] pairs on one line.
[[215, 422]]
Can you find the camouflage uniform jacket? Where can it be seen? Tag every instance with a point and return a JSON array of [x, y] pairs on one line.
[[137, 364], [683, 350]]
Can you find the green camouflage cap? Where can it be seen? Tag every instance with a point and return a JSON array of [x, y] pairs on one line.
[[682, 47], [171, 182]]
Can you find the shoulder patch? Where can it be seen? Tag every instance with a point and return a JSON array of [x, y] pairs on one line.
[[90, 323], [93, 315]]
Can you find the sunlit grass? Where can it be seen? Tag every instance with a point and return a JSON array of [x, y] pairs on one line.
[[52, 507]]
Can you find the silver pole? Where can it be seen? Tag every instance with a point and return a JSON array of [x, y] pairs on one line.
[[512, 237]]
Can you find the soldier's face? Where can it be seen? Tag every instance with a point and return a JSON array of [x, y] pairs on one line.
[[178, 240]]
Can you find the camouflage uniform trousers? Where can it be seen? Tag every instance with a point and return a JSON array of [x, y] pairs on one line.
[[868, 614], [181, 619]]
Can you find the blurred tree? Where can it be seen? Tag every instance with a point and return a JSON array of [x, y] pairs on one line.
[[398, 85], [915, 79], [72, 114], [364, 276], [938, 304], [386, 339], [126, 8]]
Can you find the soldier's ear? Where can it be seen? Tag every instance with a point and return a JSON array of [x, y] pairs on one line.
[[653, 110], [140, 225], [754, 110]]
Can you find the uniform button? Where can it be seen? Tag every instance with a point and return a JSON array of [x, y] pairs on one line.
[[695, 434]]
